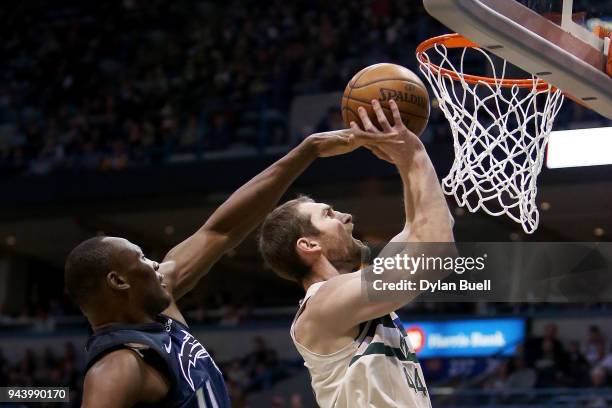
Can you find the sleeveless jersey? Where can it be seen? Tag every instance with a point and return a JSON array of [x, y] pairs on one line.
[[378, 369], [168, 346]]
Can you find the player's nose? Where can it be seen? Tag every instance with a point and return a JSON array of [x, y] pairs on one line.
[[347, 218]]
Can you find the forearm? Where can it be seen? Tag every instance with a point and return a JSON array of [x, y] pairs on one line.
[[247, 207], [427, 215], [428, 220]]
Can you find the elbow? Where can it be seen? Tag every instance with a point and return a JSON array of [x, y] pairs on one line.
[[222, 241]]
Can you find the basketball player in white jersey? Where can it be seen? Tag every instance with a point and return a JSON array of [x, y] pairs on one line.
[[356, 350]]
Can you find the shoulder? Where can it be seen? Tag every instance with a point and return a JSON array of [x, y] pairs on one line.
[[115, 379], [322, 296], [316, 328], [121, 378], [122, 360]]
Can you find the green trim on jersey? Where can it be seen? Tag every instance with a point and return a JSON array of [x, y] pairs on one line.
[[383, 349]]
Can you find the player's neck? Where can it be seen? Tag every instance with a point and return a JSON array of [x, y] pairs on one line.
[[320, 271]]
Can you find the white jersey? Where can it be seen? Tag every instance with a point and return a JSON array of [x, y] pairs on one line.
[[378, 369]]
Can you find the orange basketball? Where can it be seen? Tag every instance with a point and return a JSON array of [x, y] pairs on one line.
[[385, 82]]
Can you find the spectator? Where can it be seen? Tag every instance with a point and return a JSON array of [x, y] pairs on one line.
[[549, 365], [522, 377], [594, 350], [599, 380], [296, 401], [535, 349], [577, 368], [259, 353], [278, 401], [499, 379], [606, 362], [192, 133], [236, 373], [230, 316]]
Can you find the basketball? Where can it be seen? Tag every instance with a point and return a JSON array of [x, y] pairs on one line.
[[384, 82]]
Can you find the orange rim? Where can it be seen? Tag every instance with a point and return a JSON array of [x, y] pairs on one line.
[[459, 41]]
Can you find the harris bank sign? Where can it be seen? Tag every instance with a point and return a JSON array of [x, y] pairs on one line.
[[466, 338]]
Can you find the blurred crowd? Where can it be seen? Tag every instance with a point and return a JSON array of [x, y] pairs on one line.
[[101, 85], [546, 362], [107, 85], [544, 371], [45, 368], [40, 317], [258, 370]]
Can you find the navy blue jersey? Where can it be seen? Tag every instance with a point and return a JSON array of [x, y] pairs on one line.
[[167, 345]]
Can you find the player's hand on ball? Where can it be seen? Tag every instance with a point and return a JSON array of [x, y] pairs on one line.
[[343, 141], [386, 152]]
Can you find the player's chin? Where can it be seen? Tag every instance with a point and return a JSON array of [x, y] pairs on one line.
[[359, 244], [164, 300], [167, 298], [360, 251], [157, 305]]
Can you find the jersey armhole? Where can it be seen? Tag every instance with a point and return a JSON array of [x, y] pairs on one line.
[[153, 359], [148, 355], [295, 319]]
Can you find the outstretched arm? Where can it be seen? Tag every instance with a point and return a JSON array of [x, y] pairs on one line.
[[247, 207]]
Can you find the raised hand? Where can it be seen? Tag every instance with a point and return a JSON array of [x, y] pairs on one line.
[[385, 152]]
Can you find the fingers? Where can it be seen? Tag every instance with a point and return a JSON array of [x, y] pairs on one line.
[[364, 135], [380, 115], [365, 119], [397, 118], [355, 128]]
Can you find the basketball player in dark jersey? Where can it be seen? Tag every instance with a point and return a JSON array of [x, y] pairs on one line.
[[141, 351]]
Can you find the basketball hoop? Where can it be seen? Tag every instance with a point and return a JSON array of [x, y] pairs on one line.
[[500, 129]]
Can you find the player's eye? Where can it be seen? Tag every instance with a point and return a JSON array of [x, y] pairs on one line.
[[330, 212]]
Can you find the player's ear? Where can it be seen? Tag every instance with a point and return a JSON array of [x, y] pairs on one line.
[[116, 281], [306, 246]]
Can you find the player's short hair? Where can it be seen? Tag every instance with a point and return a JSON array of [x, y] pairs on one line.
[[278, 235], [86, 268]]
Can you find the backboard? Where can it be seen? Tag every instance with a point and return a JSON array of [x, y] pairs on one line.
[[552, 39]]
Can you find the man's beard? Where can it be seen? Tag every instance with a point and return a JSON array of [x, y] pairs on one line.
[[351, 259]]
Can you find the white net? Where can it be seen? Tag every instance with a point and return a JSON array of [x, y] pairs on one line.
[[500, 133]]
